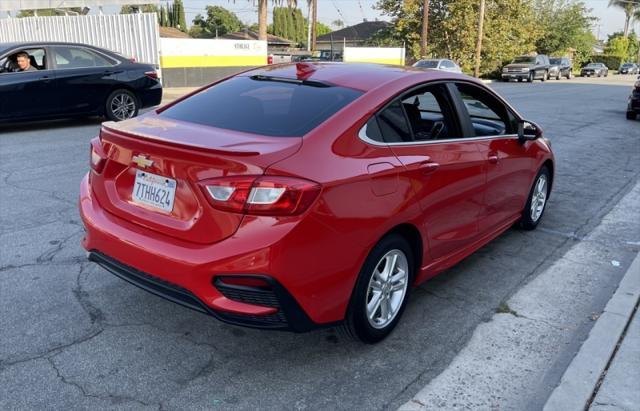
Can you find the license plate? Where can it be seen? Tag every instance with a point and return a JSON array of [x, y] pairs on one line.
[[154, 190]]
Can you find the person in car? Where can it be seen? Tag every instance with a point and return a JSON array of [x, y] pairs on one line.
[[24, 62]]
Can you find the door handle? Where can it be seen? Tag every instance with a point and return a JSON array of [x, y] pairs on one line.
[[493, 158], [428, 167], [45, 79]]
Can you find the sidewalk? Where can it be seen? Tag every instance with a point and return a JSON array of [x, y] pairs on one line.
[[605, 373], [541, 348]]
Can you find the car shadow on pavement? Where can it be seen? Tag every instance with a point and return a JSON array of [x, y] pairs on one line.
[[50, 124]]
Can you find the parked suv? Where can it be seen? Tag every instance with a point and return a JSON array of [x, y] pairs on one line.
[[564, 68], [527, 68]]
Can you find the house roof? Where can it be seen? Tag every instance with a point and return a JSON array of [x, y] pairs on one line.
[[172, 32], [361, 31], [252, 35]]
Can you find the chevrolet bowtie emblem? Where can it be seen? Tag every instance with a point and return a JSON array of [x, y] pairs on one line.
[[142, 161]]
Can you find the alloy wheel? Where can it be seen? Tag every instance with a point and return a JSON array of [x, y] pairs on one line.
[[539, 198], [123, 106], [387, 288]]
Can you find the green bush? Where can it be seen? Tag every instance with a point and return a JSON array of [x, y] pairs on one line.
[[613, 62]]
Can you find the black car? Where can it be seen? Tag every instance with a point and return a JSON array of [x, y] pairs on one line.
[[70, 79], [633, 109], [565, 68], [594, 69]]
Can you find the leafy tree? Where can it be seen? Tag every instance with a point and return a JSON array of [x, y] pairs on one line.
[[218, 20], [175, 15], [322, 29], [338, 24], [144, 8], [615, 46]]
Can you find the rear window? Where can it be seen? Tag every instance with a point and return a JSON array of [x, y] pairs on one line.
[[266, 107]]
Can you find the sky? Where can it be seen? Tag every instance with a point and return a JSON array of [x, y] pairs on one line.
[[354, 11]]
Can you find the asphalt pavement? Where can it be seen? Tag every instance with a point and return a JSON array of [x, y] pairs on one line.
[[73, 336]]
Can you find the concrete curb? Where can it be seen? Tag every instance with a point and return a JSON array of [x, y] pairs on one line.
[[581, 377]]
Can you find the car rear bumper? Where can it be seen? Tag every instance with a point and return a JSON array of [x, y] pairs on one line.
[[188, 274], [151, 96]]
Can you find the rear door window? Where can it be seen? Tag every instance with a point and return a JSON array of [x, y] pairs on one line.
[[259, 105], [75, 57]]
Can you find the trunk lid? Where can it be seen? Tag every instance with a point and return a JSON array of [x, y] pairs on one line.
[[187, 153]]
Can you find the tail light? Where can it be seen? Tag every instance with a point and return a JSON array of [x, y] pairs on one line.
[[97, 157], [269, 59], [261, 195], [152, 74]]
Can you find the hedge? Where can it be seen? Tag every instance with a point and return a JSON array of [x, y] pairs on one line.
[[613, 62]]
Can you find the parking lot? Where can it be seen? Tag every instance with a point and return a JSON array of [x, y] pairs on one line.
[[77, 337]]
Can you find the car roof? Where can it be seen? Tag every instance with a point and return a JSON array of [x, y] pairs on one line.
[[29, 44], [360, 76]]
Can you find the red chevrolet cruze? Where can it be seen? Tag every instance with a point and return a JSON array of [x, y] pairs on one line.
[[310, 195]]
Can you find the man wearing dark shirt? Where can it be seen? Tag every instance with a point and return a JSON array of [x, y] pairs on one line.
[[24, 62]]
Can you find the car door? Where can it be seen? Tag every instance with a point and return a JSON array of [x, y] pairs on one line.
[[27, 94], [84, 78], [446, 170], [509, 164]]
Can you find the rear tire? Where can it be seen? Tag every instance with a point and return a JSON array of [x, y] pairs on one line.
[[121, 105], [631, 115], [380, 296], [537, 201]]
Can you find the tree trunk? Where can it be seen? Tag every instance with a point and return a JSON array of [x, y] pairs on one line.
[[313, 24], [476, 71], [262, 20], [425, 29], [626, 25]]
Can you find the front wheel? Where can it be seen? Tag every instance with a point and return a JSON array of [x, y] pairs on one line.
[[537, 201], [559, 75], [531, 77], [545, 76], [631, 115], [121, 105], [381, 291]]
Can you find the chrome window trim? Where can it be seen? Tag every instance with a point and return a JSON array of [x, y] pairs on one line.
[[362, 134]]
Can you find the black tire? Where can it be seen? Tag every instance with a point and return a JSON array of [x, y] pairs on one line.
[[121, 105], [544, 76], [631, 115], [531, 77], [570, 75], [356, 323], [527, 222], [559, 75]]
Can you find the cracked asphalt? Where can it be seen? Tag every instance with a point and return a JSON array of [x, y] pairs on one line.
[[73, 336]]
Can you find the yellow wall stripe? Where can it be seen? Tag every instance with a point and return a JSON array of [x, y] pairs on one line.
[[211, 61]]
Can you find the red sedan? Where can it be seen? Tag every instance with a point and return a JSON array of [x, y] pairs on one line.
[[310, 195]]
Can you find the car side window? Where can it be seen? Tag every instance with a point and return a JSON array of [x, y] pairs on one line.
[[489, 117], [37, 59], [75, 57], [430, 113]]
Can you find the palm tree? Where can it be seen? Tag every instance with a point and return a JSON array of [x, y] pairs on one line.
[[630, 7]]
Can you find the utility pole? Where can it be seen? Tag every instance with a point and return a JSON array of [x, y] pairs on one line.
[[476, 71], [313, 25], [425, 29]]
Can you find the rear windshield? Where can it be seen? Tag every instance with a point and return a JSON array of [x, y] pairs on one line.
[[266, 107], [524, 59], [555, 61], [427, 63]]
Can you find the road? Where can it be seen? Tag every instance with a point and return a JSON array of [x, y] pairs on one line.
[[73, 336]]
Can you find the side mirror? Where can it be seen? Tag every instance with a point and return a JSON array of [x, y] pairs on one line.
[[528, 130]]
